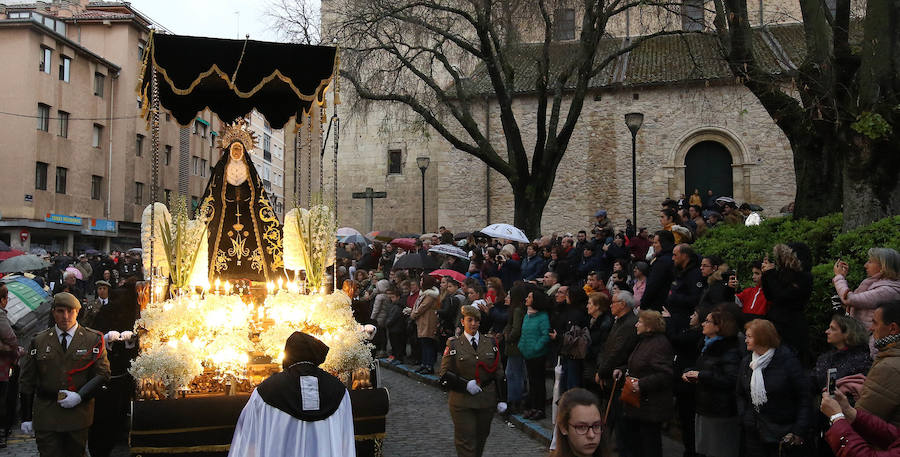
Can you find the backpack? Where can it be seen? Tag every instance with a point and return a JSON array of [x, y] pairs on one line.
[[576, 342]]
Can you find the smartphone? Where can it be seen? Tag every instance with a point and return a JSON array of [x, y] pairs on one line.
[[831, 380], [730, 274]]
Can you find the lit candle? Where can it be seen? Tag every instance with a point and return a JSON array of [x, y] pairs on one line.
[[280, 284], [270, 287], [227, 287], [218, 285]]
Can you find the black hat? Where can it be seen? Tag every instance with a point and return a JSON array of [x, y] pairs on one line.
[[301, 347]]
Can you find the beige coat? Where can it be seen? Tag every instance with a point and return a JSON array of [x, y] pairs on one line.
[[424, 312], [881, 391]]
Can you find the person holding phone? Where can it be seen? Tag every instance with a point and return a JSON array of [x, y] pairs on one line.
[[882, 284], [719, 288], [850, 353], [855, 432]]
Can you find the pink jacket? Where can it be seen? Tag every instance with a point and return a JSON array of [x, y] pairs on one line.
[[871, 292], [864, 438]]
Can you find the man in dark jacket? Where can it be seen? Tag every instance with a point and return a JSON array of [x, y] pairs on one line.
[[590, 262], [661, 272], [686, 289], [618, 346], [533, 266]]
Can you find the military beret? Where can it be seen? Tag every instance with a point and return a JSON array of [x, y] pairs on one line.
[[102, 283], [66, 299]]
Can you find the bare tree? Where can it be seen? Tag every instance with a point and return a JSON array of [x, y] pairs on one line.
[[298, 21], [422, 55], [840, 109]]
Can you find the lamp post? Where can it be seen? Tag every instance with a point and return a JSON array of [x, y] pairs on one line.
[[422, 163], [634, 121]]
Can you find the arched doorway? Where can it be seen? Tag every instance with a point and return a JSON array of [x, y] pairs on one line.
[[708, 166]]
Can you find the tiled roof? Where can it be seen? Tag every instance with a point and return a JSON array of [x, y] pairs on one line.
[[779, 50], [99, 14]]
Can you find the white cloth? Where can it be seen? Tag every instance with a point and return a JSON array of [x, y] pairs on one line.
[[758, 363], [236, 172], [70, 332], [266, 431], [473, 337]]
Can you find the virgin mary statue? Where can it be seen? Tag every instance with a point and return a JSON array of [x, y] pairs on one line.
[[244, 233]]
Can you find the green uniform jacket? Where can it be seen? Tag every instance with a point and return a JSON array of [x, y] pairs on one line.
[[46, 370], [461, 359]]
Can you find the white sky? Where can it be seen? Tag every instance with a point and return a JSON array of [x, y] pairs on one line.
[[211, 18]]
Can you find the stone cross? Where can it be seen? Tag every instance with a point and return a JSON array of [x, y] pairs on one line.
[[370, 195]]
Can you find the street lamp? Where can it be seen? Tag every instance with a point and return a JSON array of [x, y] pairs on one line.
[[422, 163], [634, 121]]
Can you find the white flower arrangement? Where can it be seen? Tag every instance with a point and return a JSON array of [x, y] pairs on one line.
[[166, 365], [215, 332]]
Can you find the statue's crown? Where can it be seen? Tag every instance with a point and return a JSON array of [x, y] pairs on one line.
[[237, 131]]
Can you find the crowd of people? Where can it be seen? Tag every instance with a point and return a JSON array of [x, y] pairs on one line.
[[651, 333]]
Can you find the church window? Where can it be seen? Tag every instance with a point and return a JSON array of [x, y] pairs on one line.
[[692, 15], [564, 24], [395, 164]]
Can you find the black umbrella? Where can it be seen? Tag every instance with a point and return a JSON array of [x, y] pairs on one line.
[[754, 207], [461, 235], [343, 254], [415, 261]]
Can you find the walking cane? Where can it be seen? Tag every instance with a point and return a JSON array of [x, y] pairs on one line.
[[612, 393]]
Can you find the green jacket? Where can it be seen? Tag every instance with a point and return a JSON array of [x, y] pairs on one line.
[[535, 340]]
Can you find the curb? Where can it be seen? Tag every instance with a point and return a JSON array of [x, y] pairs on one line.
[[534, 430]]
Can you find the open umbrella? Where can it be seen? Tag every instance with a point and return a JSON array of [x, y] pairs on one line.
[[4, 246], [92, 252], [28, 307], [754, 207], [356, 239], [449, 249], [426, 236], [342, 254], [724, 200], [75, 272], [384, 235], [10, 254], [461, 235], [404, 243], [40, 252], [23, 263], [414, 261], [505, 231], [446, 272], [346, 231]]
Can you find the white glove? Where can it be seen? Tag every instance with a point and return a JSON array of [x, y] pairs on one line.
[[501, 407], [126, 335], [72, 399], [27, 428], [473, 388], [112, 335], [407, 311]]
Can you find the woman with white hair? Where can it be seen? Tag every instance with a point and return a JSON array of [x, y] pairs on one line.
[[882, 284]]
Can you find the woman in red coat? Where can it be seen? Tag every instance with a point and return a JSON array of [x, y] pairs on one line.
[[856, 433]]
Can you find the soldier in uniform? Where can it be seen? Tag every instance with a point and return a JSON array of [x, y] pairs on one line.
[[471, 369], [63, 369], [87, 313]]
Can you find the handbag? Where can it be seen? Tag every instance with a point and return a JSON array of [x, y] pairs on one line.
[[576, 342], [630, 395]]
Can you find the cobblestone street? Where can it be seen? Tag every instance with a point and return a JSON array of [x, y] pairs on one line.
[[419, 424]]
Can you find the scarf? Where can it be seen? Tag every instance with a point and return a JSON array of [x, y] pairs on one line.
[[707, 342], [882, 343], [757, 384]]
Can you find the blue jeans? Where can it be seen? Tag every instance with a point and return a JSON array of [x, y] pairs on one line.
[[571, 375], [429, 351], [515, 378]]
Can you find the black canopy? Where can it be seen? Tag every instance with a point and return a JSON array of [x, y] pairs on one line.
[[232, 77]]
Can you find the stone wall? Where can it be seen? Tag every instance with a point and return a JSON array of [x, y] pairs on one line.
[[596, 172]]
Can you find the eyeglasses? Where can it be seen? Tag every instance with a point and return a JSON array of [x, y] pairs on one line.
[[582, 429]]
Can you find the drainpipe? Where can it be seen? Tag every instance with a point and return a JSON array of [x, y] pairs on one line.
[[109, 129], [487, 168]]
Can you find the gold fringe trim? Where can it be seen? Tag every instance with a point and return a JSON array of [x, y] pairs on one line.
[[181, 449], [180, 430], [373, 436]]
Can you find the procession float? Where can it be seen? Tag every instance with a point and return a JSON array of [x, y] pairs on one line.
[[228, 282]]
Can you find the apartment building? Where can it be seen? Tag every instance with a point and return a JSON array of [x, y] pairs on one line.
[[268, 157], [76, 154]]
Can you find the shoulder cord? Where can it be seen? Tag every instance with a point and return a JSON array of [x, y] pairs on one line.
[[87, 365], [488, 368]]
